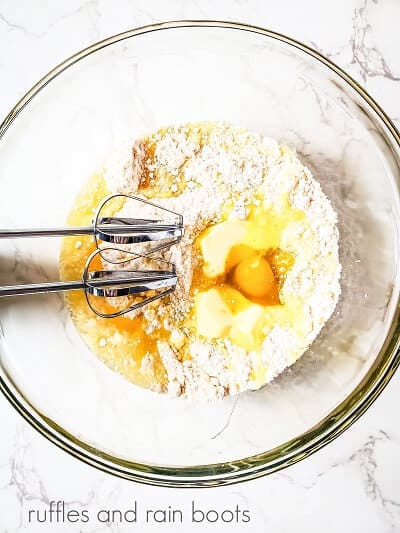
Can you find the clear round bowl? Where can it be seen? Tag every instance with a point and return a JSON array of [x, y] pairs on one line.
[[176, 72]]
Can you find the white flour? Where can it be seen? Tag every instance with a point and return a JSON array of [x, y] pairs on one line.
[[231, 166]]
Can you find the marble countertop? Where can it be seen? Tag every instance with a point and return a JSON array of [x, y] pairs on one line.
[[352, 484]]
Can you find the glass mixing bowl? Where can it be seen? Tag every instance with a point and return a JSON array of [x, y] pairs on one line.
[[175, 72]]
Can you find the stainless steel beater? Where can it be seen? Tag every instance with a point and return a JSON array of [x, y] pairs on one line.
[[111, 283]]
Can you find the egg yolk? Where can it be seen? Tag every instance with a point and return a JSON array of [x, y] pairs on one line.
[[254, 277]]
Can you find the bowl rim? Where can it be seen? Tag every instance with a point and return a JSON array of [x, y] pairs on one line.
[[331, 426]]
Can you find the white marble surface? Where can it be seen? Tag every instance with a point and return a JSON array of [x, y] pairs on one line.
[[351, 485]]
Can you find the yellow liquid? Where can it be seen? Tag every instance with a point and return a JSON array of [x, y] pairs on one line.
[[126, 342]]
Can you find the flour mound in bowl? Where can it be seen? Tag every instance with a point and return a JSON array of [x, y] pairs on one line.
[[258, 264]]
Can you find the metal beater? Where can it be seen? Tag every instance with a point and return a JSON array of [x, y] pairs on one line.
[[109, 283]]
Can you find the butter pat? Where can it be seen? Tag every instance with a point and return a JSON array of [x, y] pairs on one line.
[[244, 327], [217, 242], [213, 318], [246, 320]]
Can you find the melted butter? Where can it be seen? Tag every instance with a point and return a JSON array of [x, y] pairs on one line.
[[120, 342]]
